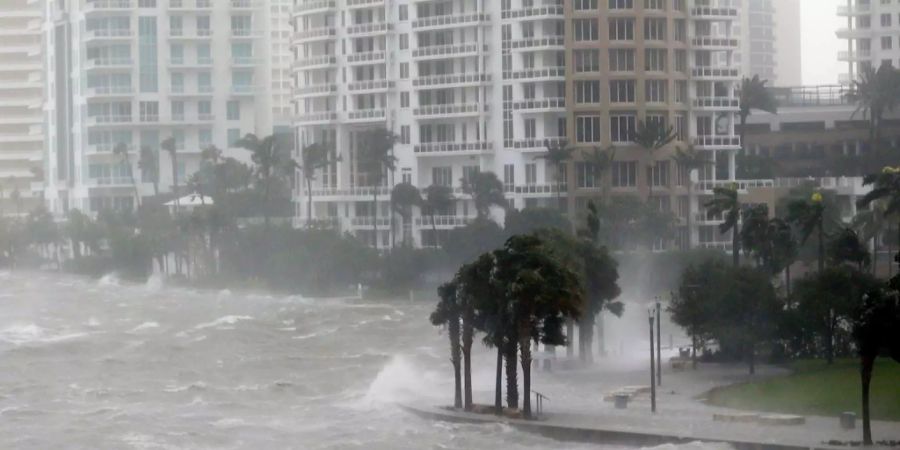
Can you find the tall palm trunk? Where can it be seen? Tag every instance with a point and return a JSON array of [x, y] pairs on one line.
[[498, 382], [468, 333], [736, 246], [525, 352], [586, 338], [174, 160], [821, 246], [434, 230], [751, 356], [267, 186], [787, 278], [375, 217], [690, 218], [694, 351], [453, 332], [867, 364], [570, 341], [512, 382], [309, 220]]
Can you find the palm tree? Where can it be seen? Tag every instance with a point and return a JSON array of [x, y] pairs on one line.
[[652, 136], [689, 160], [437, 198], [725, 201], [169, 146], [870, 223], [121, 150], [846, 246], [784, 249], [376, 157], [809, 217], [754, 95], [475, 287], [886, 190], [875, 94], [543, 294], [755, 237], [148, 162], [601, 160], [558, 153], [448, 313], [404, 197], [875, 335], [486, 191], [268, 159], [314, 156]]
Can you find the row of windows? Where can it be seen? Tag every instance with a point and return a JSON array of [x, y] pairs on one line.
[[585, 5], [622, 29], [622, 126], [623, 60]]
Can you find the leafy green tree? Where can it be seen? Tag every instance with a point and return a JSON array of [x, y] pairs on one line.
[[269, 159], [689, 160], [437, 198], [746, 311], [694, 307], [875, 333], [886, 190], [404, 197], [486, 191], [846, 247], [448, 313], [558, 154], [870, 224], [754, 96], [480, 236], [809, 217], [651, 137], [726, 202]]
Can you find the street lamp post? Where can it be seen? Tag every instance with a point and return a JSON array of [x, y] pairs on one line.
[[652, 366], [658, 343]]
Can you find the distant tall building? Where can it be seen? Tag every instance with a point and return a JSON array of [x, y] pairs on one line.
[[21, 105], [486, 85], [770, 41], [872, 35], [280, 57], [137, 72]]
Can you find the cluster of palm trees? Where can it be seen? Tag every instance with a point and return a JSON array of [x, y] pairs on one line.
[[523, 294]]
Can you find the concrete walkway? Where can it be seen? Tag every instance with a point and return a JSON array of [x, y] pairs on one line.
[[576, 410]]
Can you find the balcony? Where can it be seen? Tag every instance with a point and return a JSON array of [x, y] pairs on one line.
[[245, 33], [452, 148], [370, 221], [449, 110], [317, 118], [371, 85], [190, 5], [709, 13], [109, 64], [316, 90], [539, 144], [717, 142], [551, 104], [369, 29], [109, 91], [854, 33], [315, 62], [362, 193], [108, 34], [179, 34], [536, 13], [108, 6], [743, 186], [109, 119], [351, 4], [854, 10], [243, 90], [717, 103], [243, 61], [461, 79], [366, 115], [443, 221], [450, 21], [546, 73], [446, 51], [544, 43], [366, 58], [855, 55], [314, 34], [538, 190], [314, 7], [714, 43], [245, 4], [111, 182], [716, 73]]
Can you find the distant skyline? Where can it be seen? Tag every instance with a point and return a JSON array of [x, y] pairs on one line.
[[819, 43]]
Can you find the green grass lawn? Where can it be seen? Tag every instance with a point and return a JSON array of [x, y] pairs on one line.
[[814, 388]]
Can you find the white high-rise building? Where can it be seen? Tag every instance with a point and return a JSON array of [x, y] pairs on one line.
[[280, 58], [137, 72], [872, 35], [21, 103], [770, 41], [475, 85]]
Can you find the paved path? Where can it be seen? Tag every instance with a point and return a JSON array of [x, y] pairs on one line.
[[576, 404]]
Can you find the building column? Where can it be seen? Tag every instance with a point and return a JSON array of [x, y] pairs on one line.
[[732, 165]]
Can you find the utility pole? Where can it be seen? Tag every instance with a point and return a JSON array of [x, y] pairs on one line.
[[652, 367], [658, 343]]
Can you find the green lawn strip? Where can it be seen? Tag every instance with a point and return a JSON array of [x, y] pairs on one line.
[[817, 389]]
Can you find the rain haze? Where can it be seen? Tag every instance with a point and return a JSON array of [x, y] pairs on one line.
[[450, 224]]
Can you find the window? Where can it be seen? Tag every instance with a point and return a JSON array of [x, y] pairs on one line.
[[404, 12], [654, 29], [204, 138], [621, 29], [655, 91], [404, 134], [530, 128], [658, 175], [148, 54], [442, 176], [886, 42], [404, 99], [621, 4], [655, 59], [530, 174], [509, 175], [469, 173], [621, 127], [204, 110], [885, 20], [149, 111], [404, 41], [621, 60], [621, 91], [654, 4], [584, 5], [233, 110], [585, 176], [623, 174], [586, 29], [587, 129], [586, 60], [404, 70], [178, 110], [587, 91]]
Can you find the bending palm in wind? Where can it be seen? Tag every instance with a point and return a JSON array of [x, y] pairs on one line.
[[809, 217], [121, 150], [169, 146], [870, 223], [754, 95], [652, 136], [486, 191], [875, 94], [558, 153], [726, 202], [376, 159], [437, 198], [148, 162], [404, 197], [886, 189], [314, 156], [601, 160], [268, 159]]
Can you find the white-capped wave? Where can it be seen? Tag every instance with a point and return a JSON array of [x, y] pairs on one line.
[[145, 326], [226, 320]]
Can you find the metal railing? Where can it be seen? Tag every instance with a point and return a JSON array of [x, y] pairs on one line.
[[539, 402]]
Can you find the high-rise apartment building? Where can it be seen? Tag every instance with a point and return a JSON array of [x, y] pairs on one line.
[[21, 105], [280, 57], [137, 72], [770, 41], [872, 35], [471, 85]]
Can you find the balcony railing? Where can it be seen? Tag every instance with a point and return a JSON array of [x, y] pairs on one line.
[[451, 20], [456, 78], [452, 147]]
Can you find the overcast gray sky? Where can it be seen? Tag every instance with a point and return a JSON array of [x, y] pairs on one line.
[[820, 46]]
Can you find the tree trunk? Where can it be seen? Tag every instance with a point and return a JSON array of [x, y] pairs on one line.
[[821, 247], [512, 382], [829, 345], [690, 218], [455, 360], [525, 349], [570, 338], [867, 364], [736, 245], [375, 217], [586, 338], [498, 382], [309, 219], [266, 191], [751, 356], [694, 352], [434, 231], [467, 335], [787, 278]]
